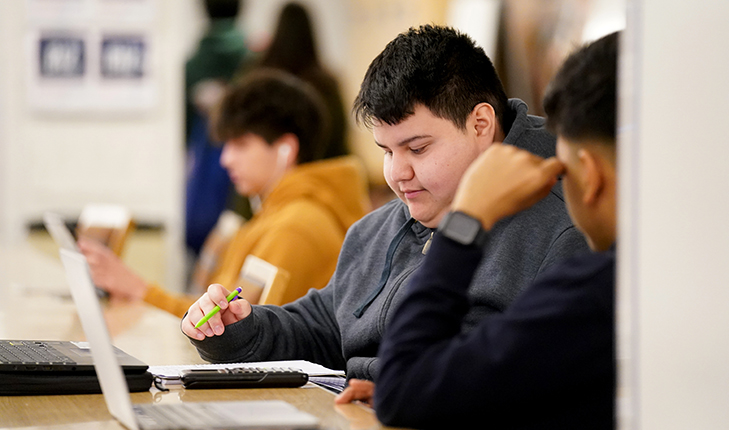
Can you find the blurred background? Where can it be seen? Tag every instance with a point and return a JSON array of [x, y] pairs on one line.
[[93, 110], [92, 94]]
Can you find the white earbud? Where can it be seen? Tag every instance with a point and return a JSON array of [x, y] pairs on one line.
[[284, 151]]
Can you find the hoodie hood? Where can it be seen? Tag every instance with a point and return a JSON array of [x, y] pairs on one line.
[[338, 184]]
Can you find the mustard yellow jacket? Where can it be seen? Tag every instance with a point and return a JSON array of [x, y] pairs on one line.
[[300, 228]]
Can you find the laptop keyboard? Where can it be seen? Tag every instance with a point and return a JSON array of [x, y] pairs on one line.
[[19, 352], [182, 415]]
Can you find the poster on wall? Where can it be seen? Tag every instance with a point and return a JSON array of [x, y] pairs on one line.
[[122, 57], [91, 56], [61, 57]]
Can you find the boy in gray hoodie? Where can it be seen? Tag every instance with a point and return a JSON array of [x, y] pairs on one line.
[[434, 103]]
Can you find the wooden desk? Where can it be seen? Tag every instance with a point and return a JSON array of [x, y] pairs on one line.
[[40, 307]]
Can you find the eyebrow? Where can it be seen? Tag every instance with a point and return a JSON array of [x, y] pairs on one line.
[[405, 141]]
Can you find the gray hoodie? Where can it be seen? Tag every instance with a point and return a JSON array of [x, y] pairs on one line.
[[341, 325]]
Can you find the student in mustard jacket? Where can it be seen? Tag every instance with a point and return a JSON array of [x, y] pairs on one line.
[[273, 126]]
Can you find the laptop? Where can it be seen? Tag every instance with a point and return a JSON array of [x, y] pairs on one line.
[[29, 367], [59, 232], [265, 414], [63, 237]]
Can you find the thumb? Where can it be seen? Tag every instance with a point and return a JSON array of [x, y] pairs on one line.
[[237, 310]]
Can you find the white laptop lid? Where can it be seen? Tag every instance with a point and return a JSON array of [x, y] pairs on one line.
[[111, 378], [245, 414], [59, 232]]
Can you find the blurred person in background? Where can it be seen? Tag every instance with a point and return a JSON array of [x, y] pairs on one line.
[[275, 127], [221, 52], [294, 49]]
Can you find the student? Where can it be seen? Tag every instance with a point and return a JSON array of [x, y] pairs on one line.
[[273, 126], [294, 49], [221, 51], [548, 361], [435, 104]]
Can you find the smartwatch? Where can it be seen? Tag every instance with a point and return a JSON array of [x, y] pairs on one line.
[[463, 229]]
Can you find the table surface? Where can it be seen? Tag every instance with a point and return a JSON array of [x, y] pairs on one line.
[[36, 304]]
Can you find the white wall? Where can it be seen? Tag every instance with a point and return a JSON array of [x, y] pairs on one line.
[[674, 212], [63, 160]]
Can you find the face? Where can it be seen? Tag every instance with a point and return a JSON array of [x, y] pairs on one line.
[[425, 157], [251, 164]]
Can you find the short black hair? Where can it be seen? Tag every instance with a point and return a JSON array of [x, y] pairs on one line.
[[222, 8], [581, 100], [438, 67], [271, 103]]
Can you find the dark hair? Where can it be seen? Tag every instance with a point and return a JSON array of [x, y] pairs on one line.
[[438, 67], [293, 49], [580, 101], [222, 8], [271, 103]]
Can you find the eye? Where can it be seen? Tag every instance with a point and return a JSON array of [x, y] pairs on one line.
[[419, 150]]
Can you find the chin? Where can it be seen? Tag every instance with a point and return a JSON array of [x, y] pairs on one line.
[[425, 219], [243, 191]]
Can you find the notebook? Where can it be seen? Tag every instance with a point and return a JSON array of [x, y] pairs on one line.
[[190, 415]]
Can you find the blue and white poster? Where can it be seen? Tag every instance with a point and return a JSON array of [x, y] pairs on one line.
[[91, 56]]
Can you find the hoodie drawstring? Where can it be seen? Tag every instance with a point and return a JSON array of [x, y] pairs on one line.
[[388, 266]]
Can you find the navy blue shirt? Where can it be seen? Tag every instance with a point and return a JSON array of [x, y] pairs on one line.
[[547, 362]]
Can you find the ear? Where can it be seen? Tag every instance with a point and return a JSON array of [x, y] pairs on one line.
[[482, 121], [288, 148], [592, 176]]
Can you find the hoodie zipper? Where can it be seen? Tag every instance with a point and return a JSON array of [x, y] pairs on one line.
[[386, 270]]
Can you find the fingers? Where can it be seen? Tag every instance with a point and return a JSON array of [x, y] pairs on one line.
[[553, 167], [346, 396], [504, 180], [357, 390], [86, 245], [188, 323], [237, 310], [215, 325]]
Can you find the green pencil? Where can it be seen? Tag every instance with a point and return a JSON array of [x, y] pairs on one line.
[[216, 309]]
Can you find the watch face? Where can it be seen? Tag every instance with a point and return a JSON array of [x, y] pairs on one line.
[[462, 228]]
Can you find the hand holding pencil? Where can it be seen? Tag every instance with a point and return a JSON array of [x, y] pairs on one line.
[[214, 310], [232, 296]]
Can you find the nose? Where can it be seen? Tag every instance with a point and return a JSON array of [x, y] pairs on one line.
[[400, 168]]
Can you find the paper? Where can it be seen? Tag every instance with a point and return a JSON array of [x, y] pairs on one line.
[[171, 373]]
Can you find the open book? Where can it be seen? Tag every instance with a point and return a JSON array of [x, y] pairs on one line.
[[106, 223]]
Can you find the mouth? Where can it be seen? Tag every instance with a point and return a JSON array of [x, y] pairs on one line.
[[411, 194]]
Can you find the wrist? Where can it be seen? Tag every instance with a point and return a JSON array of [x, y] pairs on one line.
[[463, 228], [486, 221]]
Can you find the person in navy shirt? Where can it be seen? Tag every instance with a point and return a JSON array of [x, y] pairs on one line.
[[548, 361]]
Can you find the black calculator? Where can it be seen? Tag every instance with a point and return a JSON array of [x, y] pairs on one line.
[[243, 377]]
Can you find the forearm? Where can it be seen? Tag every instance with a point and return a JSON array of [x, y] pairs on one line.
[[367, 368], [276, 333], [413, 350], [175, 304]]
